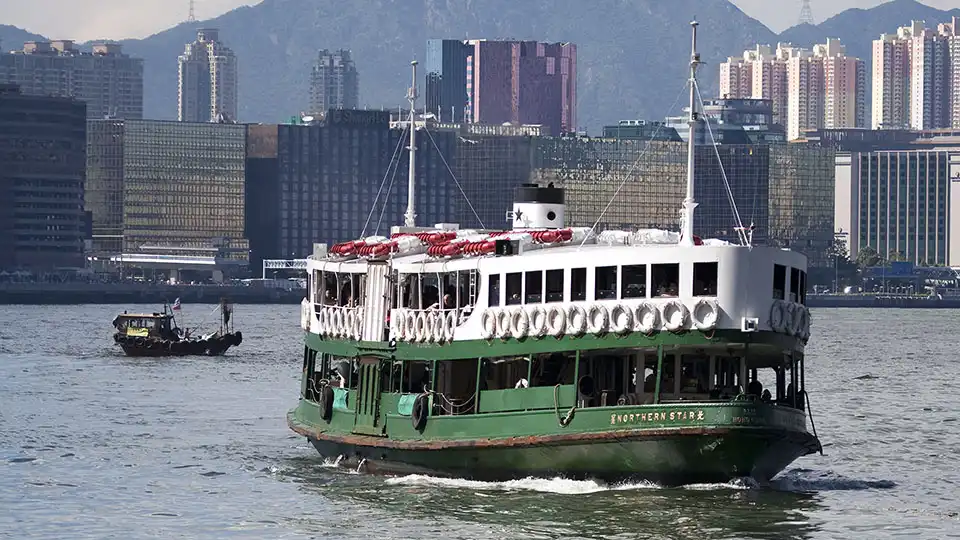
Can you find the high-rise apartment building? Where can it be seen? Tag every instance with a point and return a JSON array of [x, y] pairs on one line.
[[446, 79], [208, 80], [523, 82], [334, 83], [108, 81], [807, 88]]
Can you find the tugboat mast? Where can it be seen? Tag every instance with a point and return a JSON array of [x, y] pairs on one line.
[[686, 221], [409, 218]]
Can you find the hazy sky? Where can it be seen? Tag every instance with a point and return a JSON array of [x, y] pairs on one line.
[[115, 19]]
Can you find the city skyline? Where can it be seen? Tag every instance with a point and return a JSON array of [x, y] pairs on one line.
[[84, 20]]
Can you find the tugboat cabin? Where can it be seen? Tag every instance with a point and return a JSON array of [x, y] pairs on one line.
[[158, 325]]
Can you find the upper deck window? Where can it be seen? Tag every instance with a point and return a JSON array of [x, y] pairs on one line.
[[705, 279], [605, 283], [534, 287], [514, 288], [794, 285], [633, 281], [555, 285], [578, 284], [666, 278], [803, 287], [494, 292], [779, 281]]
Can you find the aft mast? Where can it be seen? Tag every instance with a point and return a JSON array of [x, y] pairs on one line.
[[409, 219], [686, 222]]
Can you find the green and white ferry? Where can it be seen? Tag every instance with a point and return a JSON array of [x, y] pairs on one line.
[[548, 350]]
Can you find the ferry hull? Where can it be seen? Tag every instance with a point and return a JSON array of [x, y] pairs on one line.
[[665, 456]]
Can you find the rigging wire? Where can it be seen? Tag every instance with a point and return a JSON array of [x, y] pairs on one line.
[[373, 207], [741, 234], [386, 197], [629, 172], [457, 182]]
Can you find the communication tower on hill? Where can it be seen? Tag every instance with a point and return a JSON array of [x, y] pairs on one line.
[[190, 15], [806, 14]]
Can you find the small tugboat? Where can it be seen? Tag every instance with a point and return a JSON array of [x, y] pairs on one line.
[[553, 350], [157, 334]]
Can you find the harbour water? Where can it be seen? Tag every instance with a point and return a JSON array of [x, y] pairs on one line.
[[96, 445]]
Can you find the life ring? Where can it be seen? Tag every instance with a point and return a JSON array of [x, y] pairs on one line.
[[349, 323], [411, 325], [449, 325], [647, 317], [577, 318], [556, 321], [325, 403], [599, 319], [705, 314], [621, 319], [808, 322], [399, 321], [488, 323], [519, 323], [420, 412], [304, 315], [778, 316], [800, 314], [674, 315], [322, 321], [421, 327], [431, 324], [789, 316], [503, 324], [538, 321], [359, 324]]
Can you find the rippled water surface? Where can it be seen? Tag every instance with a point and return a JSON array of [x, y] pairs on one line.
[[97, 445]]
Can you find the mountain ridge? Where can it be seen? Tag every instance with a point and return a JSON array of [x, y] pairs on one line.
[[622, 45]]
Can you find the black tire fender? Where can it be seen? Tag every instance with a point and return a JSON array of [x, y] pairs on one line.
[[325, 403], [421, 409]]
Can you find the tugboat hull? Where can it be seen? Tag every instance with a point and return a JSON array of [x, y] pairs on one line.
[[151, 347]]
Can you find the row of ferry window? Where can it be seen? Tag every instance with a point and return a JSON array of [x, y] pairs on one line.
[[609, 283], [798, 284]]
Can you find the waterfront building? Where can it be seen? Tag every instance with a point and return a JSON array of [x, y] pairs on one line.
[[523, 82], [163, 184], [334, 83], [208, 80], [446, 79], [642, 130], [343, 176], [783, 190], [107, 80], [42, 168], [732, 121]]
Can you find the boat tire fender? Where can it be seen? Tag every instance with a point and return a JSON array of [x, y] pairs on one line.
[[420, 412], [519, 323], [488, 324], [599, 319], [503, 324], [674, 315], [705, 314], [578, 320], [556, 321], [621, 319], [325, 403]]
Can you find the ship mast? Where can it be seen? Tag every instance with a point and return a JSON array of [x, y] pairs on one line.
[[686, 220], [409, 218]]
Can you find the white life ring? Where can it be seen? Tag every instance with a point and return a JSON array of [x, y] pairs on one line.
[[399, 320], [705, 314], [598, 319], [449, 325], [674, 315], [439, 318], [351, 323], [556, 321], [411, 317], [337, 323], [647, 317], [621, 319], [359, 323], [322, 320], [304, 315], [488, 323], [538, 321], [421, 329], [809, 323], [519, 323], [778, 316], [431, 326], [789, 318], [503, 324], [577, 318], [799, 320]]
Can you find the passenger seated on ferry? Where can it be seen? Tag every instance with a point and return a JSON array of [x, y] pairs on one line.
[[755, 387], [329, 299], [448, 302], [766, 397]]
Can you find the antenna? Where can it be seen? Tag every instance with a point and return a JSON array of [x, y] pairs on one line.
[[806, 14], [409, 219], [190, 15], [686, 219]]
